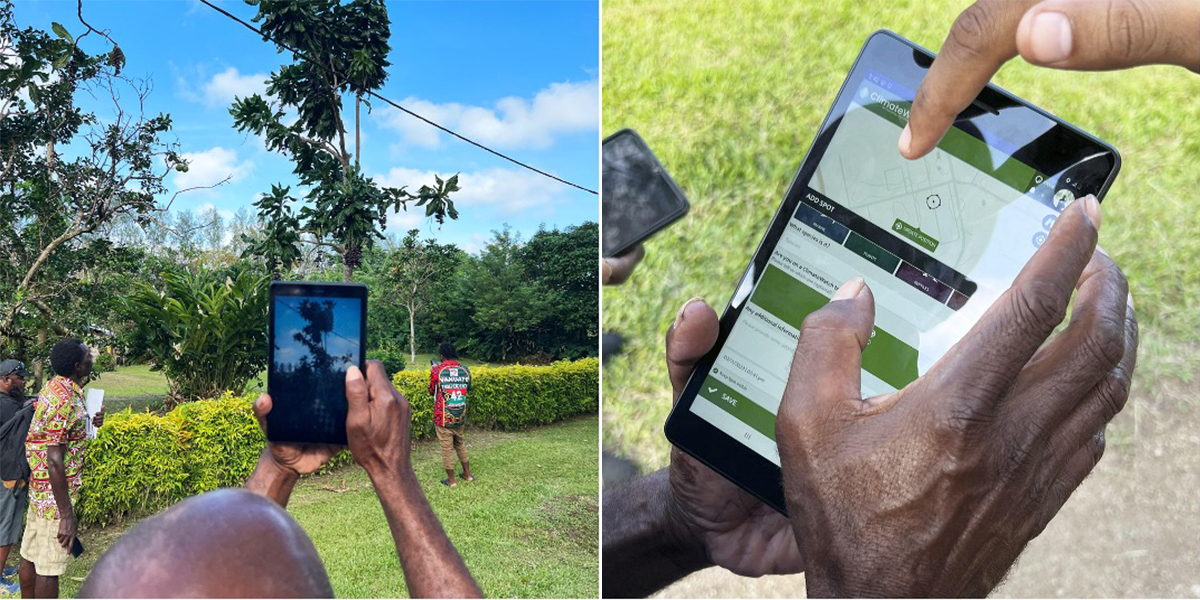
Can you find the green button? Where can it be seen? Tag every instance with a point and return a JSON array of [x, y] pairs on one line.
[[790, 301], [915, 234], [786, 297], [738, 405], [890, 359], [872, 252]]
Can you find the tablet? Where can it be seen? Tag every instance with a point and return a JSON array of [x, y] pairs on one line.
[[937, 239], [639, 197], [317, 330]]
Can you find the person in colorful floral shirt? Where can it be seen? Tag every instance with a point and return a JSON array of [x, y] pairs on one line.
[[54, 449]]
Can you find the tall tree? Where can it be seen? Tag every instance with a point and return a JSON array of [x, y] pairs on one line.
[[52, 203], [506, 307], [562, 266], [419, 270], [340, 49]]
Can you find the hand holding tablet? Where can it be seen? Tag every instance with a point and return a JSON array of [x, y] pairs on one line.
[[935, 489], [938, 240]]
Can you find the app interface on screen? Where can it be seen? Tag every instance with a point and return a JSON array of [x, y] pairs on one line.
[[937, 240], [316, 340]]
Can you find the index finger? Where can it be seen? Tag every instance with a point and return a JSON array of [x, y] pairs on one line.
[[981, 39], [994, 351]]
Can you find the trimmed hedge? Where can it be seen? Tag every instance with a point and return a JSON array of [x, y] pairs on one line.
[[140, 463], [511, 397]]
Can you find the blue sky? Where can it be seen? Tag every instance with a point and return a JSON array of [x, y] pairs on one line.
[[342, 341], [520, 77]]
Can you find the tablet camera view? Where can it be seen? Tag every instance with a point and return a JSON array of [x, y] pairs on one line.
[[316, 341]]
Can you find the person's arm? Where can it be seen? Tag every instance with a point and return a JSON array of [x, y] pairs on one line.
[[1080, 35], [281, 464], [378, 423], [645, 545], [271, 480], [935, 489], [56, 468], [688, 516]]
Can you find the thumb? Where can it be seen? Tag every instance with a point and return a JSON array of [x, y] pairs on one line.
[[1090, 36], [262, 407], [357, 395], [826, 379]]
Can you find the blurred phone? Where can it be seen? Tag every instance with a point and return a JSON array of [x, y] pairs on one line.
[[76, 547], [639, 197], [317, 331]]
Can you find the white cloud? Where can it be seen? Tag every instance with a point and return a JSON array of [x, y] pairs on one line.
[[209, 168], [478, 242], [505, 191], [513, 122], [402, 221], [228, 84]]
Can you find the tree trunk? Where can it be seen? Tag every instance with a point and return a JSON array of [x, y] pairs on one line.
[[412, 333], [357, 132], [347, 272], [38, 366]]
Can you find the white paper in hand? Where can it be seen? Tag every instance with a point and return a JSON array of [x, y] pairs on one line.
[[95, 401]]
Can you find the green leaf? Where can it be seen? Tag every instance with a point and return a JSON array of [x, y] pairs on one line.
[[61, 32]]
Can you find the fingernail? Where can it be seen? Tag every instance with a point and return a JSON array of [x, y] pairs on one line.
[[683, 309], [1129, 299], [1091, 206], [1050, 37], [905, 141], [353, 374], [849, 290]]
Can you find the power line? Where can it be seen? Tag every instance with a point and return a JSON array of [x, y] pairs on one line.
[[397, 106]]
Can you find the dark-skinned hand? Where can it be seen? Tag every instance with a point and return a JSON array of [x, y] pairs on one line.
[[378, 421], [1083, 35], [615, 270], [736, 530], [935, 489], [297, 458], [68, 528]]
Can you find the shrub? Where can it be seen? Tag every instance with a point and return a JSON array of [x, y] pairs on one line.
[[511, 397], [105, 363], [141, 463], [223, 441], [392, 358], [136, 463], [206, 332]]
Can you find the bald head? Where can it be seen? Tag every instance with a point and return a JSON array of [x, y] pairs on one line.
[[225, 543]]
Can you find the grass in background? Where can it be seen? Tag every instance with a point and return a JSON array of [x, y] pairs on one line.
[[422, 362], [135, 387], [527, 527], [729, 95]]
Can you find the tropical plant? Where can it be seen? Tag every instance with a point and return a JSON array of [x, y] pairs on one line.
[[337, 49], [205, 331]]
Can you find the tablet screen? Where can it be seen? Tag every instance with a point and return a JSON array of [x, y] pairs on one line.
[[937, 239], [316, 339]]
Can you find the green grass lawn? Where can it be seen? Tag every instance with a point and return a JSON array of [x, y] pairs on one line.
[[729, 95], [135, 387], [527, 527], [422, 362]]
